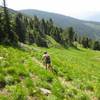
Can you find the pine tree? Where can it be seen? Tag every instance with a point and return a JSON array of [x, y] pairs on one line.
[[20, 28], [68, 36], [7, 34], [36, 23], [7, 24], [31, 38], [50, 26], [56, 34], [42, 27], [40, 41], [85, 42], [71, 35], [1, 28], [96, 45]]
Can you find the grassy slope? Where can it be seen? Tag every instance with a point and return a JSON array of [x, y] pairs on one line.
[[22, 77]]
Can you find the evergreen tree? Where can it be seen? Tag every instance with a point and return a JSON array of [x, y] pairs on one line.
[[85, 42], [40, 41], [68, 36], [71, 35], [31, 38], [90, 43], [96, 45], [1, 28], [56, 34], [75, 37], [42, 27], [65, 37], [36, 23], [7, 24], [31, 24], [20, 28], [49, 26], [7, 34]]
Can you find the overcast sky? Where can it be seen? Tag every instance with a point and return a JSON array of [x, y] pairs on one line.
[[81, 9]]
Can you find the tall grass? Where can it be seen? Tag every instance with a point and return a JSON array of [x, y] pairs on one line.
[[22, 77]]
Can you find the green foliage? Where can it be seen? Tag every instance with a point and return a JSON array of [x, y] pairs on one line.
[[16, 28], [18, 92], [9, 80], [80, 26], [40, 41], [82, 96], [2, 81], [96, 45], [21, 74], [68, 36], [2, 97], [22, 77], [7, 26], [20, 28]]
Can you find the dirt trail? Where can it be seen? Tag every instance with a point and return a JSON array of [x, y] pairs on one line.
[[61, 79], [37, 61], [64, 82]]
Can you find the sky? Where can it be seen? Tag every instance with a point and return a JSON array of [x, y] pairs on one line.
[[81, 9]]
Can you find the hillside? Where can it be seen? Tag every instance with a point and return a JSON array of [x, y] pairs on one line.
[[76, 75], [11, 11], [92, 29], [75, 71]]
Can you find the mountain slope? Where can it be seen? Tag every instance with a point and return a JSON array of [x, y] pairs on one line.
[[82, 27], [75, 78]]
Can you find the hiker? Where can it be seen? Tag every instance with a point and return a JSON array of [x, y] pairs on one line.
[[47, 60]]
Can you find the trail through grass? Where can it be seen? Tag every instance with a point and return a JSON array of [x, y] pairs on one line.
[[22, 74], [38, 62]]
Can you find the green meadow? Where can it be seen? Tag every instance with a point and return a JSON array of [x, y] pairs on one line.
[[76, 74]]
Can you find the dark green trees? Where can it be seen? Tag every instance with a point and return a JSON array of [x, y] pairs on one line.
[[68, 36], [7, 34], [96, 45], [7, 24], [20, 28], [43, 27], [39, 32], [85, 42], [1, 28], [56, 34], [71, 35], [16, 28]]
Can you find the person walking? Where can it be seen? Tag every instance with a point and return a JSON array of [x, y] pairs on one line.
[[47, 61]]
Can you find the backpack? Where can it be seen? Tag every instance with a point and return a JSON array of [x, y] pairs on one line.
[[47, 57]]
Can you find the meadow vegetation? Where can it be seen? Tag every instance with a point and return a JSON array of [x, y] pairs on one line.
[[76, 74]]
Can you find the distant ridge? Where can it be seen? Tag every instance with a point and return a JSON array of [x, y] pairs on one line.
[[91, 28]]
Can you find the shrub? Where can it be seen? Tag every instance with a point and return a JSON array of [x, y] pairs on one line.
[[3, 97], [9, 80], [83, 97], [2, 81], [49, 79], [18, 92]]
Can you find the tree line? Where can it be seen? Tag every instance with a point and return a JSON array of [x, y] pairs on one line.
[[20, 28]]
